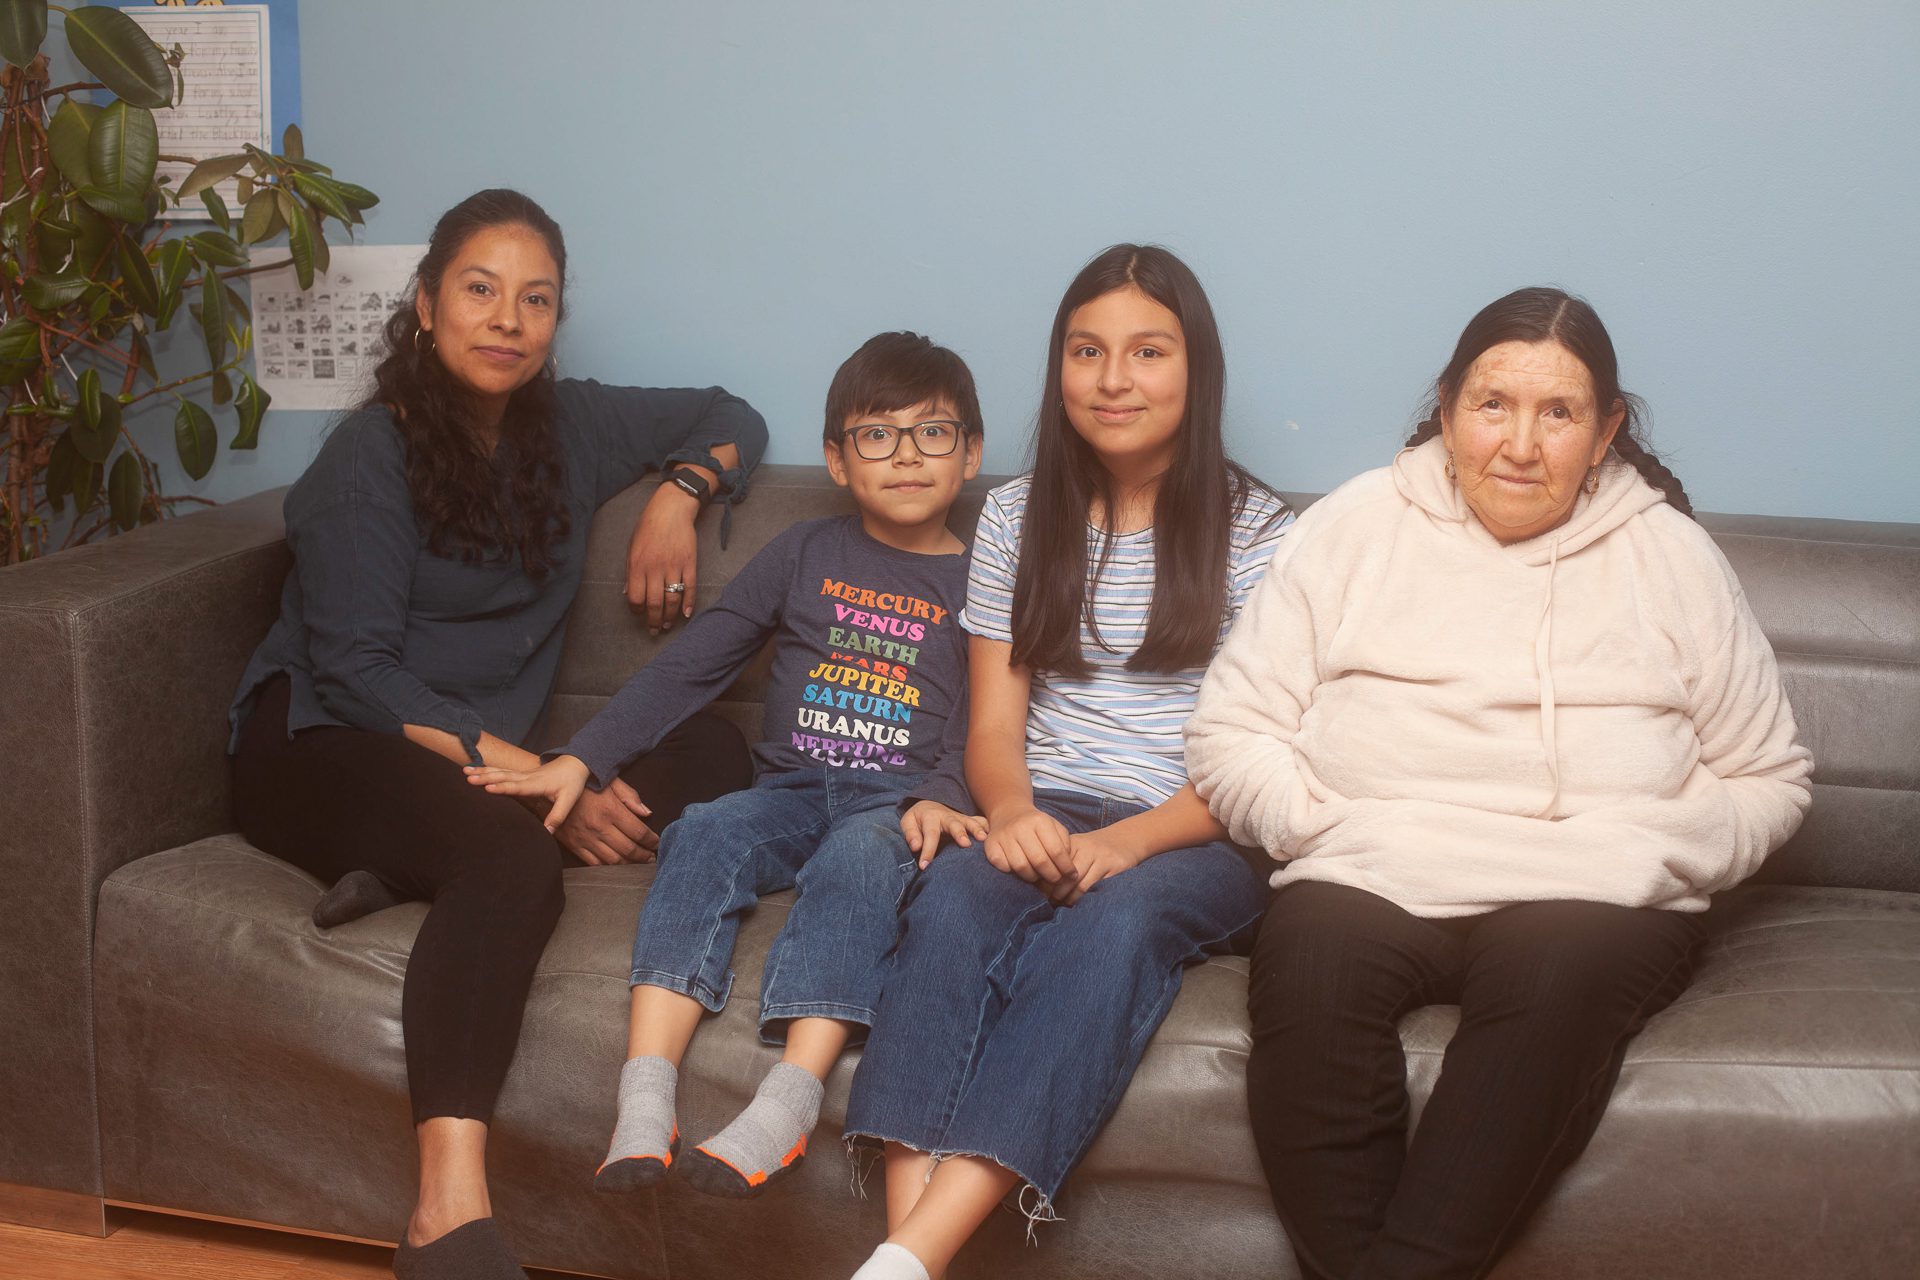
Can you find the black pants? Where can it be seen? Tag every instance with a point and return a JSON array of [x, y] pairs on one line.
[[334, 800], [1549, 995]]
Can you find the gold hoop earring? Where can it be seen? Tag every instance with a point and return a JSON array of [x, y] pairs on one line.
[[1592, 483], [1451, 473], [428, 334]]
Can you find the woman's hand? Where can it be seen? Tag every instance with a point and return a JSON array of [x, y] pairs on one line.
[[927, 822], [1098, 855], [1028, 843], [664, 552], [609, 826], [559, 782]]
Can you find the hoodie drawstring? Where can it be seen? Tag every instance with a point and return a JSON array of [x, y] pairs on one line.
[[1543, 667]]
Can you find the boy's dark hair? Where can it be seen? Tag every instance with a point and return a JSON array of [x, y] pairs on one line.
[[896, 371]]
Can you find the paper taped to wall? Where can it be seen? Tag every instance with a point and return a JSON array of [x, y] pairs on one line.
[[317, 348]]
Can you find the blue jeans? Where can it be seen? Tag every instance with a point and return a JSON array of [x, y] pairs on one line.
[[1010, 1027], [832, 833]]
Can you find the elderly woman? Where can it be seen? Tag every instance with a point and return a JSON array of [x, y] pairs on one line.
[[1504, 716], [438, 541]]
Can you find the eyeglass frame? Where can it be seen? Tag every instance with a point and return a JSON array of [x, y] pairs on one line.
[[960, 430]]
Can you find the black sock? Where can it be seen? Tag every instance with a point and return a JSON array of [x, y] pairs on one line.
[[355, 894], [472, 1251]]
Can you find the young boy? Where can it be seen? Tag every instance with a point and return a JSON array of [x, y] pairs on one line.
[[859, 777]]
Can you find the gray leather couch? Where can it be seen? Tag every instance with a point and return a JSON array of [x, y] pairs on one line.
[[177, 1034]]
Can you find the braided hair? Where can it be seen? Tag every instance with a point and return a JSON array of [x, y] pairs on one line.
[[1545, 314], [464, 507]]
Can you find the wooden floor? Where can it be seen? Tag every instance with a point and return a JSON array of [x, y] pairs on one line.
[[155, 1246]]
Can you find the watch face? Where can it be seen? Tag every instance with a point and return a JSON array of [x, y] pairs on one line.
[[695, 485]]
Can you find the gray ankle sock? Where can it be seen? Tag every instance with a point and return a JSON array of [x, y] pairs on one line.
[[646, 1137], [355, 894], [765, 1141], [891, 1262], [471, 1251]]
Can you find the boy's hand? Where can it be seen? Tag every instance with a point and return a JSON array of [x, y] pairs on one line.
[[560, 780], [1027, 843], [928, 821], [1097, 855]]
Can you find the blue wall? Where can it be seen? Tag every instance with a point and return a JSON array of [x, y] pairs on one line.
[[751, 189]]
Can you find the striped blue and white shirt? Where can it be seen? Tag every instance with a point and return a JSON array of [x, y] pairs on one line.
[[1116, 733]]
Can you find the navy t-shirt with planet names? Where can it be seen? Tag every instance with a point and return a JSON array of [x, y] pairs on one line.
[[869, 663]]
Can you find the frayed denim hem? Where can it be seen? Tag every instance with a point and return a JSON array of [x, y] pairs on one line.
[[864, 1150], [709, 1000]]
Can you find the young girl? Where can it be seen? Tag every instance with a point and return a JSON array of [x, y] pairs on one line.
[[1032, 971]]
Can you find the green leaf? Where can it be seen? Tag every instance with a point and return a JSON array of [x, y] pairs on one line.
[[213, 317], [143, 355], [175, 263], [217, 210], [86, 482], [261, 217], [324, 197], [251, 404], [99, 423], [68, 135], [356, 197], [218, 249], [243, 188], [60, 466], [142, 289], [19, 350], [50, 293], [126, 490], [23, 26], [299, 242], [118, 203], [124, 148], [194, 438], [222, 389], [291, 145], [208, 172], [96, 240], [322, 254], [237, 305], [113, 47]]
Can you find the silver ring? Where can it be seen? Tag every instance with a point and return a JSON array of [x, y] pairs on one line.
[[674, 588]]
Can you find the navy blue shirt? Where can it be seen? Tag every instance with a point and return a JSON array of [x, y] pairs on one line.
[[869, 663], [376, 631]]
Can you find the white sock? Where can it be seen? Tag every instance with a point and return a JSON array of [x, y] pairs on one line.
[[891, 1262]]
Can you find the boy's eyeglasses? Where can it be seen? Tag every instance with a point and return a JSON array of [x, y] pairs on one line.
[[878, 441]]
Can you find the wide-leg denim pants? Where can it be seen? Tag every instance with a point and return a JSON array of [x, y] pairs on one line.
[[1009, 1026], [832, 833]]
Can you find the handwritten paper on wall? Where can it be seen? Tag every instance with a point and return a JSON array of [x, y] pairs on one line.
[[228, 84], [317, 348]]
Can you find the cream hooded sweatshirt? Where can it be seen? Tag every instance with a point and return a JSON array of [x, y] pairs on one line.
[[1407, 707]]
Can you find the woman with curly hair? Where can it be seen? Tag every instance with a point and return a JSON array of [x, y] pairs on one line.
[[438, 539]]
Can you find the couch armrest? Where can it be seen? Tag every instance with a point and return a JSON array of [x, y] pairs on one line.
[[117, 663]]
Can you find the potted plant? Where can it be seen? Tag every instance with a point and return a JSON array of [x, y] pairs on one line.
[[93, 268]]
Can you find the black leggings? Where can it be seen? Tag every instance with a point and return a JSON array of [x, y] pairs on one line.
[[334, 800], [1549, 995]]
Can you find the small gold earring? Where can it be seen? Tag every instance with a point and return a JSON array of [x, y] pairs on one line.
[[1592, 483], [1451, 473]]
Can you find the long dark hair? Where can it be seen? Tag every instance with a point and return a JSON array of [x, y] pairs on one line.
[[1546, 314], [459, 499], [1193, 510]]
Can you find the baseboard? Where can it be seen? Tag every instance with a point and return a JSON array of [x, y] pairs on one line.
[[172, 1212], [68, 1211]]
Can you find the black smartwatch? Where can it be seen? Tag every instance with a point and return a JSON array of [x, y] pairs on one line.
[[691, 482]]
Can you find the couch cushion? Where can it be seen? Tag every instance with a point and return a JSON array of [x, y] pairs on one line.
[[1784, 1086]]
